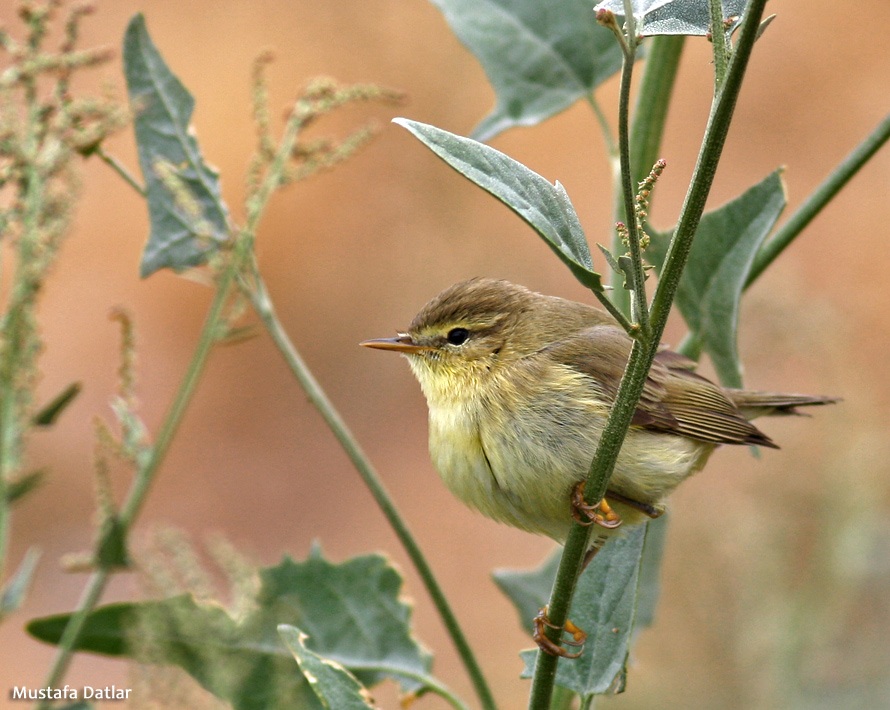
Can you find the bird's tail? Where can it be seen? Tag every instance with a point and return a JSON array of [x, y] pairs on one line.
[[764, 404]]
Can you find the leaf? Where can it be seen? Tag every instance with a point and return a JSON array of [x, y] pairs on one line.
[[352, 612], [111, 551], [529, 590], [722, 253], [545, 207], [188, 217], [649, 584], [539, 57], [334, 686], [604, 608], [20, 487], [48, 415], [13, 594], [673, 17], [235, 662]]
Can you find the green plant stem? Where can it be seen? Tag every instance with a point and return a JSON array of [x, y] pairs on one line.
[[145, 475], [647, 130], [640, 313], [14, 356], [818, 199], [718, 41], [121, 170], [649, 117], [642, 353], [262, 303], [660, 66], [617, 314]]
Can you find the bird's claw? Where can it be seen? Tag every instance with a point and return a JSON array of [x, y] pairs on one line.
[[554, 648], [599, 513]]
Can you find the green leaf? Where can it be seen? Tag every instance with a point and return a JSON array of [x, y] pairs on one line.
[[603, 607], [674, 17], [352, 613], [188, 217], [334, 686], [48, 415], [722, 254], [649, 584], [13, 594], [236, 662], [529, 590], [545, 207], [539, 57], [20, 487], [112, 548]]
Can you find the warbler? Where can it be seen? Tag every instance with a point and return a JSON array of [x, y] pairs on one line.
[[519, 386]]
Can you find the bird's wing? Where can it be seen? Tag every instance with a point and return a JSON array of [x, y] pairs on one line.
[[675, 399]]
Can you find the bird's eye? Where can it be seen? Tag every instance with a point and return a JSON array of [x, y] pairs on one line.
[[457, 336]]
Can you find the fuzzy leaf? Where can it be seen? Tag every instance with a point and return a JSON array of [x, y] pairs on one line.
[[352, 612], [674, 17], [545, 207], [334, 686], [539, 57], [603, 607], [187, 222], [711, 287]]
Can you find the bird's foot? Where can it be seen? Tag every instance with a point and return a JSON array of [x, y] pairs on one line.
[[599, 513], [554, 648], [651, 511]]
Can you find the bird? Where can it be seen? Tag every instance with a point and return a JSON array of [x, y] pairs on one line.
[[519, 386]]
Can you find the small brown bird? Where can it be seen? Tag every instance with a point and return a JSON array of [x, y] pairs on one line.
[[519, 386]]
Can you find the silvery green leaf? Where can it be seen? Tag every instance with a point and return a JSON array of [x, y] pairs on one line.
[[334, 686], [187, 214], [540, 57], [726, 242], [544, 206], [673, 17]]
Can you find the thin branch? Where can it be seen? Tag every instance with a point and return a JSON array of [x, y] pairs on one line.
[[819, 198], [719, 43], [660, 66], [121, 170], [640, 312]]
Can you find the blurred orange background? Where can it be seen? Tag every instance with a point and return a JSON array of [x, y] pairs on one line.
[[776, 573]]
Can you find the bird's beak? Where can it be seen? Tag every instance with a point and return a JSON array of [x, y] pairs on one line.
[[401, 343]]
